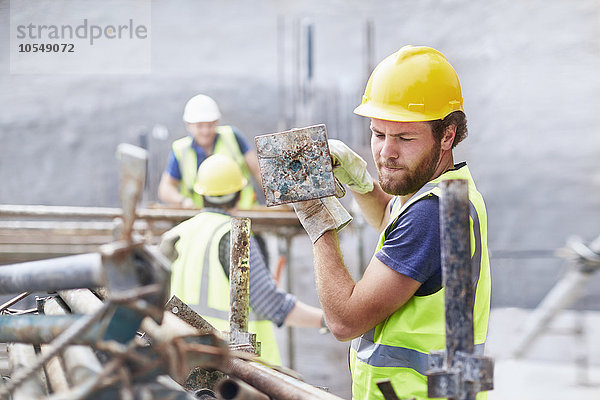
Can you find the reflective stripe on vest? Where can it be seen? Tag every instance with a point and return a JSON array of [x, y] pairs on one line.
[[395, 357], [402, 342]]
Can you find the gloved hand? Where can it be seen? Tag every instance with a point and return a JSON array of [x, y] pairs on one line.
[[350, 168], [321, 215], [167, 245]]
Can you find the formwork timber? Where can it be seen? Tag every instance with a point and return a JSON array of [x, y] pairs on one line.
[[33, 232]]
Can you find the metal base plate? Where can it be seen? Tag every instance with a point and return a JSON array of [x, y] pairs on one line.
[[295, 165]]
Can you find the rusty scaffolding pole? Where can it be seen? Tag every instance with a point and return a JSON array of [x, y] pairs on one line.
[[457, 373]]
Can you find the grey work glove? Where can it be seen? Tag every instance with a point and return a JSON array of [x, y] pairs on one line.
[[350, 168], [321, 215], [167, 245]]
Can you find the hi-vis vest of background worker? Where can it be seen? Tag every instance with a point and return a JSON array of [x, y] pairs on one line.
[[198, 278], [398, 348], [188, 165]]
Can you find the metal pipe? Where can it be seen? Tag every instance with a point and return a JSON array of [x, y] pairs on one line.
[[277, 217], [14, 301], [55, 372], [456, 271], [133, 161], [456, 267], [239, 296], [275, 384], [79, 271], [235, 389], [21, 356], [81, 301], [290, 284], [37, 329], [81, 362]]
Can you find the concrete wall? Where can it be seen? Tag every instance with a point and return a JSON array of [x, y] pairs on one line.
[[529, 71]]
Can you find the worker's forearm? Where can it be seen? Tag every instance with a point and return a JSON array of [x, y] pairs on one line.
[[374, 206], [304, 316], [334, 287], [252, 162], [168, 193], [170, 197]]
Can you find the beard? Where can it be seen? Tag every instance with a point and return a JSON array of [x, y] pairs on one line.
[[413, 178]]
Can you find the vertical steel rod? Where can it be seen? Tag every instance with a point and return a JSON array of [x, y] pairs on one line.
[[239, 275], [133, 162], [289, 284], [456, 271]]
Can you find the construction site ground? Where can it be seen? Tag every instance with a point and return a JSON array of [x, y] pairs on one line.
[[564, 363]]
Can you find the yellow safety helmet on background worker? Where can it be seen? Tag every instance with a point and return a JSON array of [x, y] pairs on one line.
[[417, 83], [219, 175]]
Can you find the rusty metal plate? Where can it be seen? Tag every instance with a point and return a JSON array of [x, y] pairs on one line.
[[295, 165]]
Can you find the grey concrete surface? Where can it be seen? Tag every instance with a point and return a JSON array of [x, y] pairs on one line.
[[564, 363]]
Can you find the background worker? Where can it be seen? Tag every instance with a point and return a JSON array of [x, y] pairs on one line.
[[200, 274], [201, 116], [395, 312]]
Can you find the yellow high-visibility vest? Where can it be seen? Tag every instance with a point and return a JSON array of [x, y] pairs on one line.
[[188, 165], [398, 347], [198, 278]]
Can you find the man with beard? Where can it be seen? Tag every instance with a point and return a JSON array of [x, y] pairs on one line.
[[395, 313]]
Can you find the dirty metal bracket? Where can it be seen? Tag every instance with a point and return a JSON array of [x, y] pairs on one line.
[[189, 315], [295, 165]]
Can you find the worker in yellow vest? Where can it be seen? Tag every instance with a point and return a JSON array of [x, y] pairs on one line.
[[200, 274], [394, 314], [201, 116]]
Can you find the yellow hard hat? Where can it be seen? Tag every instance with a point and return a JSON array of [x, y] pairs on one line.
[[219, 175], [416, 83]]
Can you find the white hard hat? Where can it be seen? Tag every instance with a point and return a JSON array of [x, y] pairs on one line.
[[201, 108]]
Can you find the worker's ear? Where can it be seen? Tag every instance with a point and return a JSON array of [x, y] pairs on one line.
[[448, 138]]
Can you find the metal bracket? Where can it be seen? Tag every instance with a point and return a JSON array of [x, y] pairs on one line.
[[472, 370]]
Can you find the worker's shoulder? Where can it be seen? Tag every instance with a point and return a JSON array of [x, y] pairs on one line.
[[423, 211], [183, 141]]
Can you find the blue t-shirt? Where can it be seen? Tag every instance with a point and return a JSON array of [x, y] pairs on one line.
[[412, 245], [173, 166]]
